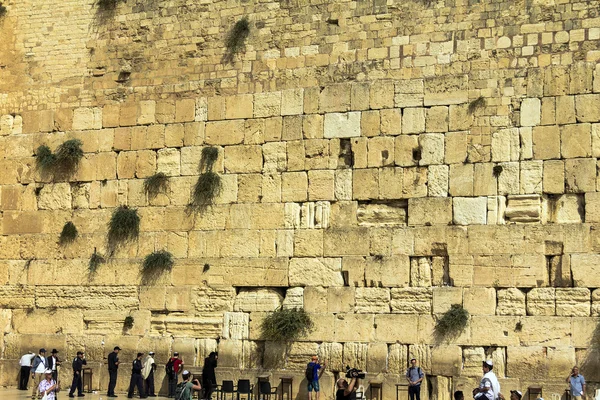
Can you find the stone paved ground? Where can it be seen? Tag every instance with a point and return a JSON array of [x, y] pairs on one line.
[[14, 394]]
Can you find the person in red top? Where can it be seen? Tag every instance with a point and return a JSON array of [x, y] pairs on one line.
[[174, 368]]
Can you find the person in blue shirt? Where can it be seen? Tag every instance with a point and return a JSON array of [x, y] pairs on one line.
[[576, 383], [313, 375], [414, 376]]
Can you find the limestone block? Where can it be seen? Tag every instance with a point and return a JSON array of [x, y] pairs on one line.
[[437, 119], [15, 222], [405, 149], [261, 300], [356, 354], [411, 300], [380, 151], [479, 301], [146, 112], [208, 326], [510, 302], [444, 90], [587, 108], [242, 159], [432, 148], [230, 353], [292, 102], [55, 197], [353, 327], [530, 112], [566, 208], [267, 104], [485, 183], [420, 271], [342, 125], [315, 271], [446, 360], [391, 121], [496, 210], [469, 210], [473, 356], [397, 356], [174, 135], [580, 175], [388, 272], [576, 140], [381, 95], [275, 157], [531, 177], [548, 111], [365, 184], [546, 142], [317, 154], [429, 211], [573, 302], [456, 147], [584, 268], [565, 110], [506, 145], [437, 180], [340, 300], [461, 180], [93, 297], [169, 162], [343, 242], [185, 110], [592, 207], [17, 297], [523, 208], [235, 325], [332, 354], [294, 298], [378, 214], [423, 354], [225, 132], [409, 93], [372, 301], [413, 120], [298, 353], [377, 357], [541, 301], [554, 177], [294, 186], [87, 118], [444, 297], [335, 98]]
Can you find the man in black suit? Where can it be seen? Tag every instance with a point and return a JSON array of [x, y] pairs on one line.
[[113, 367]]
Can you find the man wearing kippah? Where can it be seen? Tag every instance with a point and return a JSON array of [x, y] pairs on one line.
[[136, 377], [489, 388]]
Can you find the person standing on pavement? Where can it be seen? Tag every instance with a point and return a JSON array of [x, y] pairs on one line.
[[136, 378], [174, 367], [148, 374], [53, 364], [209, 380], [576, 383], [414, 376], [48, 386], [25, 364], [37, 371], [313, 375], [78, 363], [113, 367]]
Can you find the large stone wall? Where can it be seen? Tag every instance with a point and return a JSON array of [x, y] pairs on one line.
[[381, 161]]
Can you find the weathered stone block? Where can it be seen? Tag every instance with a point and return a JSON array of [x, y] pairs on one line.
[[455, 147], [580, 175], [546, 142], [437, 180], [523, 208], [413, 120], [405, 149], [587, 108], [541, 301], [342, 125], [461, 180], [429, 211], [315, 271], [257, 300], [479, 301], [469, 210], [510, 302], [380, 152], [87, 118], [372, 300], [573, 302], [445, 297], [411, 300], [576, 140], [432, 148], [530, 112]]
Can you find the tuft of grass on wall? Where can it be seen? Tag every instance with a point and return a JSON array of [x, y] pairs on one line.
[[206, 189], [124, 226], [208, 158], [3, 10], [95, 261], [286, 325], [128, 322], [44, 159], [107, 4], [62, 163], [452, 323], [476, 104], [237, 36], [158, 262], [156, 184], [69, 234]]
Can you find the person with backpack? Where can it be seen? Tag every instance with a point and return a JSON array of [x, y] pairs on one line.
[[40, 364], [173, 369], [136, 378], [313, 375], [185, 389], [414, 376]]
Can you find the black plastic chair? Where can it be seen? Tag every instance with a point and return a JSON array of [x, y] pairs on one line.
[[265, 391], [226, 388], [244, 388]]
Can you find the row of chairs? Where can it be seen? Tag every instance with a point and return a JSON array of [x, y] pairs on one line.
[[244, 389]]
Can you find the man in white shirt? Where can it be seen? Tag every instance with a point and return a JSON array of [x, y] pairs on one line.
[[489, 386], [25, 364], [40, 365]]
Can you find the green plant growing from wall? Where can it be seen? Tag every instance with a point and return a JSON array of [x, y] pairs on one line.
[[155, 264], [107, 4], [452, 322], [95, 261], [62, 163], [3, 10], [124, 226], [286, 325], [475, 104], [68, 234], [208, 185], [128, 322], [236, 38], [155, 184]]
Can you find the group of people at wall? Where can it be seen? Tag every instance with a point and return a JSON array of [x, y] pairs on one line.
[[44, 374]]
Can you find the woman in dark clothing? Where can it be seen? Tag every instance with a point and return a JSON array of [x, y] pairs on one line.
[[209, 380], [345, 390]]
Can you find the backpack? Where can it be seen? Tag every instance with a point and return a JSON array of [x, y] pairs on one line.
[[310, 372], [182, 391], [169, 368]]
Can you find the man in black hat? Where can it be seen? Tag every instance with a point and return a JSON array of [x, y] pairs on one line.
[[136, 377], [78, 363], [54, 363], [113, 367]]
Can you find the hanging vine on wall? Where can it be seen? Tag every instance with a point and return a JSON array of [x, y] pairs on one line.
[[286, 325], [208, 185], [155, 264], [124, 226], [452, 323], [61, 164], [95, 261], [235, 40], [128, 322], [68, 234]]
